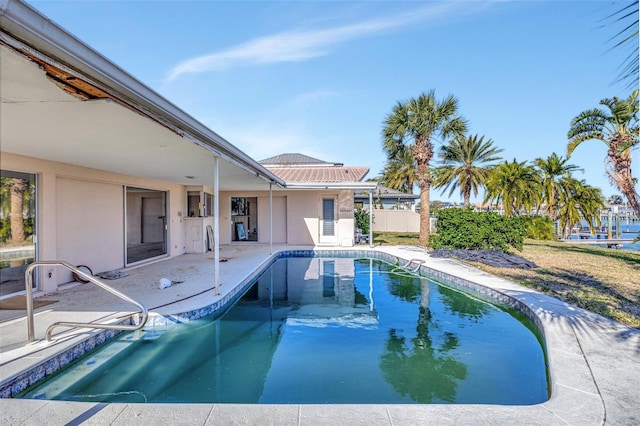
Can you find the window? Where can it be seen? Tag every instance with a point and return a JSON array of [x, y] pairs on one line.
[[208, 204], [193, 203]]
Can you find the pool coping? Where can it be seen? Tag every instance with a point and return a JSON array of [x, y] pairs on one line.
[[575, 396]]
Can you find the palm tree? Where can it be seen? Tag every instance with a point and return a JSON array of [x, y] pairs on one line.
[[618, 129], [516, 185], [17, 188], [465, 165], [400, 171], [578, 201], [551, 170], [627, 38], [412, 124], [591, 203]]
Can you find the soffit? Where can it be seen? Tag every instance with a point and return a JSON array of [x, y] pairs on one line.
[[40, 119]]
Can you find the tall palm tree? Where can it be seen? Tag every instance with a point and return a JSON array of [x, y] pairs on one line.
[[552, 169], [515, 185], [400, 171], [413, 124], [466, 162], [618, 128]]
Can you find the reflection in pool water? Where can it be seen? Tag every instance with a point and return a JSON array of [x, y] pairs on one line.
[[324, 330]]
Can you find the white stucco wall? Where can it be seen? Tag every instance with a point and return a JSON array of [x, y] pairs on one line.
[[89, 225], [305, 209], [296, 216], [80, 215]]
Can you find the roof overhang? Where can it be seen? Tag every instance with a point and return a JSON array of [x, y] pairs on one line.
[[63, 101]]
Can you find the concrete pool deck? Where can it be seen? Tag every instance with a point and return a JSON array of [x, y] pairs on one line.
[[594, 363]]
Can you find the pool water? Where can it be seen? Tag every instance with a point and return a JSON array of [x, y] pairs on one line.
[[324, 330]]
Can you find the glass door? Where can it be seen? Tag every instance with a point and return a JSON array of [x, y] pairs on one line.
[[146, 224], [17, 229], [244, 219]]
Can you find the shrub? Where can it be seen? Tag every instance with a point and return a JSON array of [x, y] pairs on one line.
[[539, 228], [362, 219], [469, 230]]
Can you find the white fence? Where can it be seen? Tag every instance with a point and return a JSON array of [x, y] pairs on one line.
[[395, 220]]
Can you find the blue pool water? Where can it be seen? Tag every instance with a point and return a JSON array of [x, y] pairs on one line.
[[324, 330]]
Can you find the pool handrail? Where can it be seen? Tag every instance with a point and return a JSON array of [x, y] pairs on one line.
[[28, 275], [418, 263]]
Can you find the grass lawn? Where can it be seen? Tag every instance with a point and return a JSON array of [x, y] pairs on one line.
[[605, 281]]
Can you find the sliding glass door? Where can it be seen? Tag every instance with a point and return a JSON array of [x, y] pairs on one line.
[[17, 229], [146, 224]]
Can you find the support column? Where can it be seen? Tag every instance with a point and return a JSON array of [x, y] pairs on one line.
[[216, 224], [371, 219], [270, 217]]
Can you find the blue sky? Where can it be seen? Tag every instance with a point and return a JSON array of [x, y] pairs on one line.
[[319, 77]]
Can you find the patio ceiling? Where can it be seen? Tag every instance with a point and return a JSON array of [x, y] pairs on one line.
[[38, 118]]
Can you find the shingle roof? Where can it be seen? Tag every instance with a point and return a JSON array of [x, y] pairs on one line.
[[294, 159], [320, 174], [302, 168]]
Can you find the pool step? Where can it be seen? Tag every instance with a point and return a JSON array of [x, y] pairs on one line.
[[56, 386]]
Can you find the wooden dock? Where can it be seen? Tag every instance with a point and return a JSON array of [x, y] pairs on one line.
[[611, 243]]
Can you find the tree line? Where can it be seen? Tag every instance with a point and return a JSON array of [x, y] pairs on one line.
[[469, 163]]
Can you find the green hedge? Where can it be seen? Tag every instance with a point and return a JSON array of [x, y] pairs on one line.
[[469, 230], [539, 228]]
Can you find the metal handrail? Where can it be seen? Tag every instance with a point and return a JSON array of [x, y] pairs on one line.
[[418, 262], [29, 296]]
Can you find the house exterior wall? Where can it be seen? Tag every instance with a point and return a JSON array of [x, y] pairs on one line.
[[89, 225], [304, 212], [346, 222], [296, 216], [80, 215]]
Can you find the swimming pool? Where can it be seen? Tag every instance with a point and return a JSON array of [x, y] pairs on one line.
[[324, 330]]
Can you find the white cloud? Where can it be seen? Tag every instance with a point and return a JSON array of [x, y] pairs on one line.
[[312, 97], [301, 45]]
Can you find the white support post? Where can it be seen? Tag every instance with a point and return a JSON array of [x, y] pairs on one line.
[[371, 219], [270, 217], [216, 224]]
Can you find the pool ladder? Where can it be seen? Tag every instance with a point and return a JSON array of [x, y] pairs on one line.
[[418, 263], [28, 275]]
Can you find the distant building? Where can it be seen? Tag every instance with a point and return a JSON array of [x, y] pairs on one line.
[[299, 168], [386, 198]]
